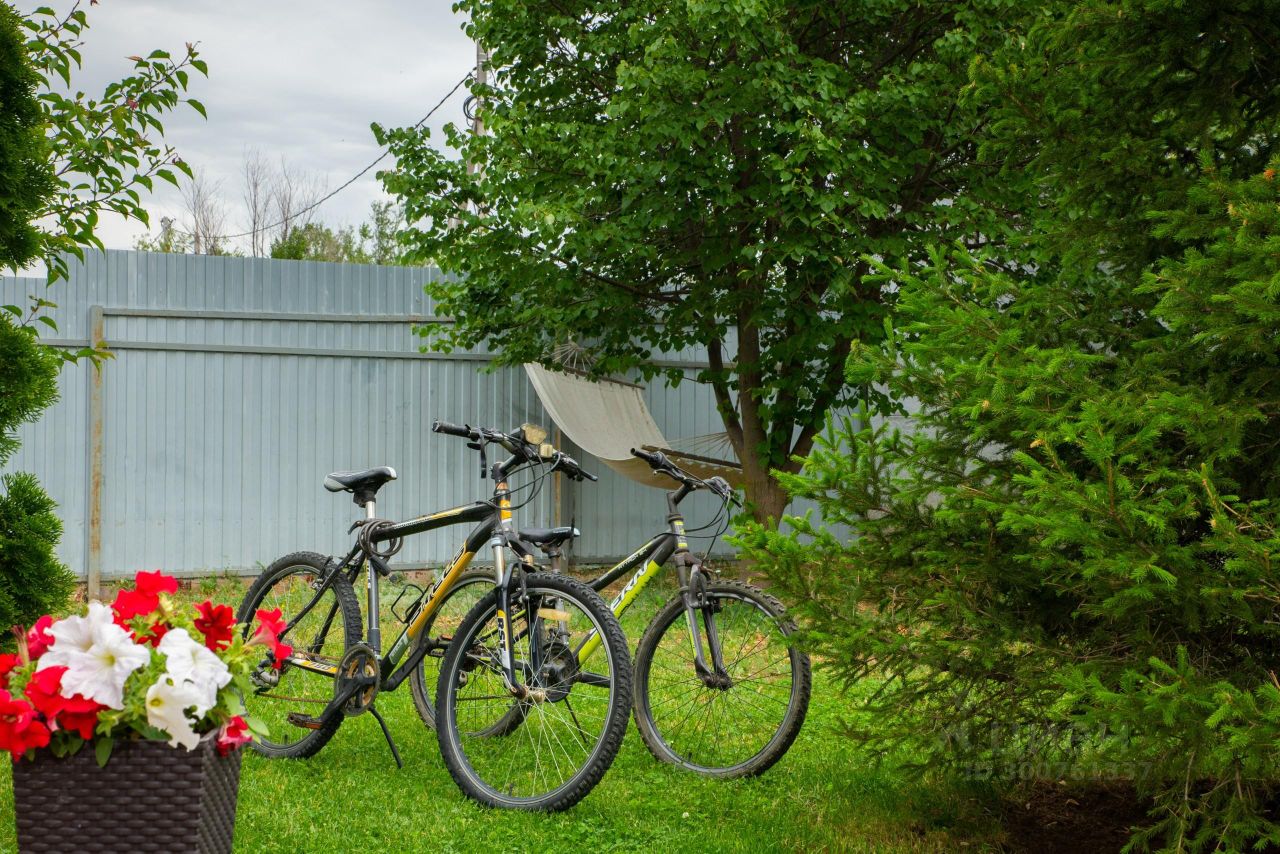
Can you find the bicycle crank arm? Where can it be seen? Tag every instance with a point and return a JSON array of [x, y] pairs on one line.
[[334, 706], [312, 665]]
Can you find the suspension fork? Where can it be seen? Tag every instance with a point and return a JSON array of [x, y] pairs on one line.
[[509, 578], [693, 588]]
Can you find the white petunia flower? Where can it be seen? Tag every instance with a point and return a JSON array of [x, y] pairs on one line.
[[72, 635], [99, 673], [167, 703], [189, 661]]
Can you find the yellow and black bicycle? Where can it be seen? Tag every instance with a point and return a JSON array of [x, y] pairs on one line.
[[720, 687], [558, 725]]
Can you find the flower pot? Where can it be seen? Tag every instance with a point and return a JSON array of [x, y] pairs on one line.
[[149, 798]]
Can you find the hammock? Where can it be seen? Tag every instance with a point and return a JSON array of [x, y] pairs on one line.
[[609, 418]]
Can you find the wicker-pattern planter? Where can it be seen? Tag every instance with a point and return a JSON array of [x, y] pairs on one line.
[[149, 798]]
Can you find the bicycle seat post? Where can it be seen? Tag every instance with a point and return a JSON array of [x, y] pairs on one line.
[[371, 590]]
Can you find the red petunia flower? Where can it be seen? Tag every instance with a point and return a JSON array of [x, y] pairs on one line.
[[8, 662], [75, 713], [38, 638], [234, 733], [143, 600], [42, 692], [215, 622], [270, 625], [145, 597], [80, 715], [19, 729]]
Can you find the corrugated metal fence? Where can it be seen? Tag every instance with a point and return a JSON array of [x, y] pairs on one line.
[[238, 383]]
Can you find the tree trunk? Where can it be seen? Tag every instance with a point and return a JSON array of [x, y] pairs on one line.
[[766, 499]]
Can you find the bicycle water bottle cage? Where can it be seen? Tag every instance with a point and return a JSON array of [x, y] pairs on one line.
[[363, 485]]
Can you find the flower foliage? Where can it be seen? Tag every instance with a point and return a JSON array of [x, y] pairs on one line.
[[143, 667]]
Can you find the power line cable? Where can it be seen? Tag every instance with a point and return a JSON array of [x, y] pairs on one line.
[[383, 156]]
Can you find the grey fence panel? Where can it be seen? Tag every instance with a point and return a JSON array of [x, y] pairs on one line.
[[237, 384]]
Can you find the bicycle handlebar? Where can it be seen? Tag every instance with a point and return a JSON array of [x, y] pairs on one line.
[[656, 460], [571, 467], [516, 444], [454, 430], [661, 464]]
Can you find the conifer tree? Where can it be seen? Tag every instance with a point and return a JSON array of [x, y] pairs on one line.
[[1068, 565]]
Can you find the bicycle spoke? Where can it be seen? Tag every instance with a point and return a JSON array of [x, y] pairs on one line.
[[551, 737], [718, 727]]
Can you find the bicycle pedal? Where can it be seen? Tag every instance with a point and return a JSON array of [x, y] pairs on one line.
[[298, 719]]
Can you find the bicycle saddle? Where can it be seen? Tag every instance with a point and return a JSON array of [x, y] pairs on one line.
[[367, 481], [548, 536]]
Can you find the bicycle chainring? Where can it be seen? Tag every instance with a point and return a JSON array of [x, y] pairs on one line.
[[359, 668]]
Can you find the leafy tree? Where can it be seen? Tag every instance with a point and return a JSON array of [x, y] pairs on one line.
[[317, 242], [64, 157], [104, 151], [31, 578], [659, 176], [381, 233], [1068, 564], [27, 175], [169, 240]]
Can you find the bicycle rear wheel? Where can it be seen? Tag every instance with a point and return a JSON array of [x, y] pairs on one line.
[[737, 731], [440, 629], [283, 699], [569, 731]]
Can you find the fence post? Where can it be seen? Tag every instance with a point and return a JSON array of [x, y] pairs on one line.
[[93, 580]]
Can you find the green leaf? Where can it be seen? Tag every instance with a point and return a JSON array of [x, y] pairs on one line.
[[102, 749], [198, 107]]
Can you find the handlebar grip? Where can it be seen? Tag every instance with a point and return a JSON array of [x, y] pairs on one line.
[[651, 459], [452, 429]]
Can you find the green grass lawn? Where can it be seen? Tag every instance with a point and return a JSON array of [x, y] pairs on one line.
[[825, 795]]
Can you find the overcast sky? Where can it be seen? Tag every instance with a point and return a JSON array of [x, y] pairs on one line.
[[298, 80]]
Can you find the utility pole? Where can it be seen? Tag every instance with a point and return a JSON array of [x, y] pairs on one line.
[[477, 114], [482, 79]]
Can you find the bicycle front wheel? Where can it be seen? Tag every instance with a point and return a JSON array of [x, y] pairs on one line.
[[734, 730], [573, 720], [290, 699]]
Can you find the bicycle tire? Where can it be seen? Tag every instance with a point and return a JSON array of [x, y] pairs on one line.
[[461, 658], [659, 743], [422, 683], [348, 614]]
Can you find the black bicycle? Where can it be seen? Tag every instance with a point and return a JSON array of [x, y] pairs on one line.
[[720, 688], [524, 726]]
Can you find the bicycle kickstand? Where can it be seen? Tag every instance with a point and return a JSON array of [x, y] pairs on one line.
[[390, 741]]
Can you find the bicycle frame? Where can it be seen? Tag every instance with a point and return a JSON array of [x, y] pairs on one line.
[[647, 561], [422, 608]]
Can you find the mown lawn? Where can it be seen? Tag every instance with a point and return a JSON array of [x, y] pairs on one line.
[[825, 795]]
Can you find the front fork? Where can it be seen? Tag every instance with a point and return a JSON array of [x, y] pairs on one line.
[[693, 588], [508, 580]]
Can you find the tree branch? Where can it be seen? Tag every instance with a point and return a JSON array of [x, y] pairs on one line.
[[724, 403]]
